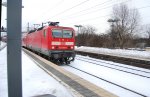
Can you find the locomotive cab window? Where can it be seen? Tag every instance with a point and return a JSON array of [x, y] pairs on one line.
[[57, 33], [67, 34]]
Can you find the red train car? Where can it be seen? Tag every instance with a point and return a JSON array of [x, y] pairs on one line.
[[54, 41]]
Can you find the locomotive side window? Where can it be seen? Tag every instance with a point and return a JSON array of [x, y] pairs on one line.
[[44, 33], [57, 33], [67, 34]]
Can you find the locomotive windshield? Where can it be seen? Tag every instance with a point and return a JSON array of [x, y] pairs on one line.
[[57, 33], [67, 34], [62, 34]]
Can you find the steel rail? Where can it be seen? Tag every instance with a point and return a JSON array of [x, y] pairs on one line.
[[109, 82], [116, 69]]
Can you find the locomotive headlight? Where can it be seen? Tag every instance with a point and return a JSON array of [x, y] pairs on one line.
[[71, 47], [53, 47]]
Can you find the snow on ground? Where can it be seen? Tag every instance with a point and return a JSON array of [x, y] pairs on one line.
[[2, 45], [35, 80], [3, 73], [117, 52], [119, 66], [130, 81]]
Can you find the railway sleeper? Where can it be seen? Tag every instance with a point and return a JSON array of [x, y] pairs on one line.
[[128, 61]]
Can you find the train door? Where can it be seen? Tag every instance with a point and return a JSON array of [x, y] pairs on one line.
[[39, 40], [44, 41]]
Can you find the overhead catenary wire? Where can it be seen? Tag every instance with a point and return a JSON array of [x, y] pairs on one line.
[[51, 8], [144, 7], [60, 14], [94, 18], [75, 6], [96, 10], [91, 7], [74, 14], [70, 8], [90, 19]]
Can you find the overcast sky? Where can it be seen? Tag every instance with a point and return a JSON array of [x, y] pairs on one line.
[[76, 12]]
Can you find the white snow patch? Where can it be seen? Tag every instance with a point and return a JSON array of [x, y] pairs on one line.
[[130, 81], [35, 80], [116, 52]]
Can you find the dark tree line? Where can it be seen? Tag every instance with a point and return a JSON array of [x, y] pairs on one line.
[[88, 37], [122, 33]]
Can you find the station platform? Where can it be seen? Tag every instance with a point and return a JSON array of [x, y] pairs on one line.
[[79, 86], [2, 45], [46, 95]]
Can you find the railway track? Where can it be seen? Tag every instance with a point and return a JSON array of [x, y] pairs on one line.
[[65, 79], [108, 81], [133, 91], [128, 61], [88, 60], [127, 67]]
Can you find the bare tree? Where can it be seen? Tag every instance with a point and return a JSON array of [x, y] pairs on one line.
[[86, 36], [128, 23], [147, 30]]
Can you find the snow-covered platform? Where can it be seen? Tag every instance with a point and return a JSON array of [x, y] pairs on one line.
[[79, 86], [46, 95], [132, 54], [2, 45], [35, 81]]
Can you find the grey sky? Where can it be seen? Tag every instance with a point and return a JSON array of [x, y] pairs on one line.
[[83, 12]]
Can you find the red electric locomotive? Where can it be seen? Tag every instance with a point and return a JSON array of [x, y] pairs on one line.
[[54, 41]]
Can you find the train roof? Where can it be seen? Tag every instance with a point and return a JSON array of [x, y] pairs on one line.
[[51, 27]]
